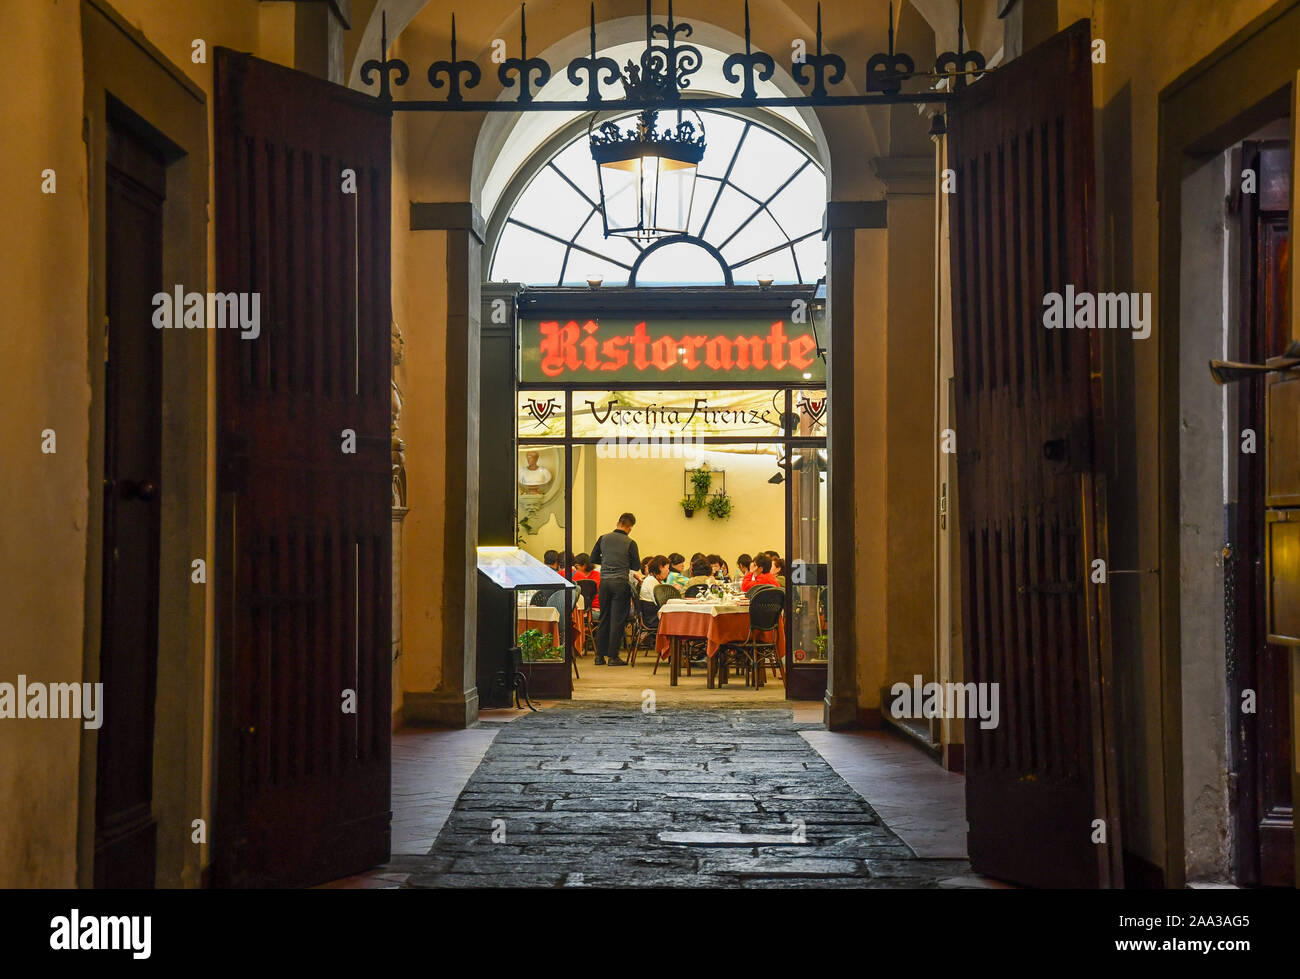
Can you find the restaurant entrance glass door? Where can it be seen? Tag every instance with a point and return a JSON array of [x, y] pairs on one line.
[[709, 424]]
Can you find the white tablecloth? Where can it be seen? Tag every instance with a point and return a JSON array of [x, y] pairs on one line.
[[729, 607], [538, 613]]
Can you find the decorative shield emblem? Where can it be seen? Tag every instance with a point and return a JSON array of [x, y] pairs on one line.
[[541, 410], [814, 408]]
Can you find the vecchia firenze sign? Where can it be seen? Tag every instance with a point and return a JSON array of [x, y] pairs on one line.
[[718, 351]]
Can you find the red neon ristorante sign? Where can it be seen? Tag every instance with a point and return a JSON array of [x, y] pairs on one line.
[[687, 350]]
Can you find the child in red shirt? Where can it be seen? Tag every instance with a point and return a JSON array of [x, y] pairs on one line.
[[760, 574], [582, 569]]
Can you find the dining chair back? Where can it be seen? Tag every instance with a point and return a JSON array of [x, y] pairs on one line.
[[646, 619], [765, 607], [756, 652], [664, 593], [588, 589], [696, 590]]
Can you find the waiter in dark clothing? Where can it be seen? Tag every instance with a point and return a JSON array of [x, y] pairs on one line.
[[617, 556]]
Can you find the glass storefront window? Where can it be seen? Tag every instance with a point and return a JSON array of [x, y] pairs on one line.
[[807, 571], [640, 450], [539, 414], [812, 408], [539, 495]]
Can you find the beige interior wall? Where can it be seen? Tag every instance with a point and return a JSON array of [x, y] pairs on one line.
[[650, 489]]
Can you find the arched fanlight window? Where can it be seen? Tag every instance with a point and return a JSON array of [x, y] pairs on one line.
[[757, 212]]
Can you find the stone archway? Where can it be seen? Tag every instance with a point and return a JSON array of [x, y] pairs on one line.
[[443, 166]]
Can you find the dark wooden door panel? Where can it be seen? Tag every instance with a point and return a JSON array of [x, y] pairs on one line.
[[1032, 508], [1262, 740], [125, 828], [305, 612]]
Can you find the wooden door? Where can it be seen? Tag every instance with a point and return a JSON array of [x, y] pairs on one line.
[[1261, 740], [1040, 786], [125, 828], [304, 520]]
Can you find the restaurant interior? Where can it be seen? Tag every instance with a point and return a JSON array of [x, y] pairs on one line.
[[727, 509]]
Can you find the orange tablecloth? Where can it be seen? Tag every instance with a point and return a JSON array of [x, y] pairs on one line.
[[714, 629]]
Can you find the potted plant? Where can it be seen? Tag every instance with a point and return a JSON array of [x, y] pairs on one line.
[[701, 480], [719, 506], [689, 505], [537, 645], [820, 645]]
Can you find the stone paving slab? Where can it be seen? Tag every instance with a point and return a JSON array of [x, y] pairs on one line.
[[602, 795]]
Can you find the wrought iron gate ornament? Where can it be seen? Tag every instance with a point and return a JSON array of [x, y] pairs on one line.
[[670, 65]]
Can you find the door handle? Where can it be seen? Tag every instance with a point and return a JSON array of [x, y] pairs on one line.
[[1056, 450]]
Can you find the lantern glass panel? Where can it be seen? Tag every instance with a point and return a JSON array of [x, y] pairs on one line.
[[674, 191], [620, 183]]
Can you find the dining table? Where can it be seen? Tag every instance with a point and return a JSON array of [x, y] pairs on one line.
[[717, 622]]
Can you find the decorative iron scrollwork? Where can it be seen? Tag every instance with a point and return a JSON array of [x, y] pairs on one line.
[[825, 67], [593, 66], [961, 61], [887, 72], [454, 69], [751, 65], [661, 77], [523, 66], [386, 66]]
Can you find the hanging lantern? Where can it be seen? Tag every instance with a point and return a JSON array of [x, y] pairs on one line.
[[647, 176]]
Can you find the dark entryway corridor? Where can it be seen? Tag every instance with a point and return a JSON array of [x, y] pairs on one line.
[[605, 795]]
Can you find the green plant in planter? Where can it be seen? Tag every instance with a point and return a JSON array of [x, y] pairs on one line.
[[689, 505], [719, 507], [820, 645], [701, 480], [537, 645]]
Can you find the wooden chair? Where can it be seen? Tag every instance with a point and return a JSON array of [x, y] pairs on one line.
[[663, 593], [642, 630], [588, 589], [766, 605]]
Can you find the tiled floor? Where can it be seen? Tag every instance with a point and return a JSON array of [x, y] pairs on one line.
[[599, 794], [916, 798], [618, 684], [430, 769]]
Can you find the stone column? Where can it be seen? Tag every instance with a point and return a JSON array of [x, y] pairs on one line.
[[455, 700], [843, 219]]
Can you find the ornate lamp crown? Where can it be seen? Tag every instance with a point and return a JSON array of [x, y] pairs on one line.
[[663, 72]]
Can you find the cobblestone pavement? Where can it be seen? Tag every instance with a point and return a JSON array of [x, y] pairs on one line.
[[606, 796]]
